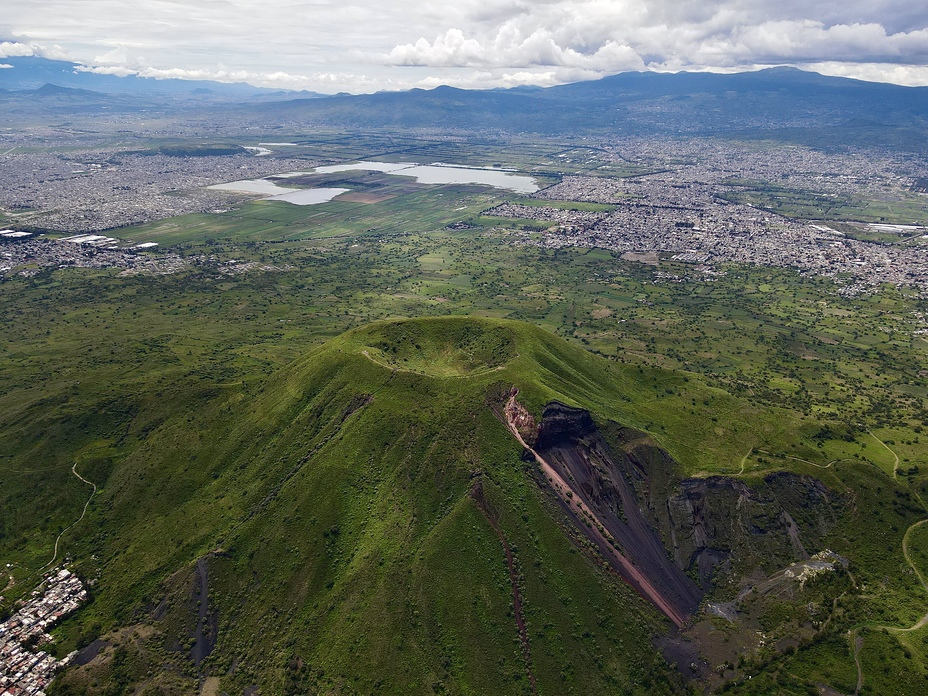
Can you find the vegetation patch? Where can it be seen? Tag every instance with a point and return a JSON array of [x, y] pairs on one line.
[[448, 347]]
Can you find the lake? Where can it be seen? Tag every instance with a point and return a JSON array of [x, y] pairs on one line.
[[443, 174], [274, 192], [253, 186], [423, 174], [310, 196]]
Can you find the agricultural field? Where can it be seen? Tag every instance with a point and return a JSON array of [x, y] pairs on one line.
[[880, 206]]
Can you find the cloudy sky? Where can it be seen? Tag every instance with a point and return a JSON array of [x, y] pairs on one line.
[[370, 45]]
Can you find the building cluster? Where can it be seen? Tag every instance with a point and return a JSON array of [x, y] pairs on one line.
[[687, 211], [27, 256], [718, 161], [589, 189], [575, 218], [24, 669], [105, 189]]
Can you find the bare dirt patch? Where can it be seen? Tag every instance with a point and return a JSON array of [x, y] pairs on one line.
[[367, 198], [648, 257]]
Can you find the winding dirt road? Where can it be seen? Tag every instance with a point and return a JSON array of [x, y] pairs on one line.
[[895, 456], [83, 512]]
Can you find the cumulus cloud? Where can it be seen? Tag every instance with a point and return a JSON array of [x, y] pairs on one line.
[[905, 75], [602, 43], [12, 49], [363, 44], [510, 48], [806, 40], [119, 55], [17, 49]]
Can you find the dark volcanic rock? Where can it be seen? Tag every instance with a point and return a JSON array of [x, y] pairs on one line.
[[563, 424], [570, 442], [675, 530], [717, 520]]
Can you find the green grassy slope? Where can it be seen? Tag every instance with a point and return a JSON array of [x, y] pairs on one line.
[[150, 385], [333, 509]]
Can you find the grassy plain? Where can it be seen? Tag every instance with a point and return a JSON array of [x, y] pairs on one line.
[[899, 206]]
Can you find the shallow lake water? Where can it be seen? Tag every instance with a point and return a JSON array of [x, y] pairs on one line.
[[443, 174], [310, 196], [423, 174], [254, 186]]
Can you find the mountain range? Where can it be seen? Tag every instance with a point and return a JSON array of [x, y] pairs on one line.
[[31, 73], [781, 103]]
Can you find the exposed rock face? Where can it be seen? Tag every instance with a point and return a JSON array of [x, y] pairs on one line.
[[673, 531], [516, 416], [721, 523], [717, 520], [562, 424], [700, 517], [570, 442]]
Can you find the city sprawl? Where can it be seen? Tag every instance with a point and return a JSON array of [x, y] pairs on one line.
[[88, 191], [690, 209], [700, 201]]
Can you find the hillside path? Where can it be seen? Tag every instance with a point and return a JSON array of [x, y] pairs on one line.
[[83, 512]]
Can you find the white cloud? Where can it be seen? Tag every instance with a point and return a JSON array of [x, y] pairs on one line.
[[510, 48], [720, 40], [11, 49], [118, 55], [17, 49], [5, 66], [54, 52], [363, 44], [118, 71], [807, 40], [905, 75]]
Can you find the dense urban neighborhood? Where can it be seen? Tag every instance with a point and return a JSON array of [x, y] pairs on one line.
[[693, 210], [107, 189], [26, 255], [25, 670]]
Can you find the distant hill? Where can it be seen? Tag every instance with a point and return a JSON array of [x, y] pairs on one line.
[[780, 102], [31, 72], [55, 91], [777, 103]]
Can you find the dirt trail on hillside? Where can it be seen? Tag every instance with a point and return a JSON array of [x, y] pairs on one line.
[[856, 644], [83, 513], [890, 450], [591, 525]]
